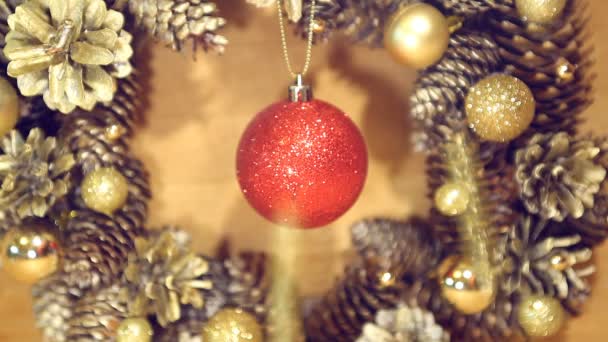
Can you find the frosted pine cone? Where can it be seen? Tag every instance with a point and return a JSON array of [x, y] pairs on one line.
[[536, 261], [96, 315], [394, 246], [69, 52], [35, 173], [173, 22], [53, 307], [403, 324], [558, 175], [554, 61]]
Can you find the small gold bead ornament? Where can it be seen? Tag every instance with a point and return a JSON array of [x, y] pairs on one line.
[[500, 108], [30, 252], [452, 199], [417, 35], [105, 190], [9, 107], [461, 286], [134, 330], [541, 316], [540, 11], [232, 325]]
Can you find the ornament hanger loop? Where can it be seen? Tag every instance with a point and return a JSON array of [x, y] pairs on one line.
[[308, 58]]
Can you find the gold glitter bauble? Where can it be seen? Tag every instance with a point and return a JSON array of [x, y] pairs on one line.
[[500, 108], [417, 35], [30, 252], [134, 330], [452, 199], [232, 325], [462, 286], [105, 190], [540, 11], [541, 316], [9, 107]]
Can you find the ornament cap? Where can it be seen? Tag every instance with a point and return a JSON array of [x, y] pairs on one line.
[[300, 92]]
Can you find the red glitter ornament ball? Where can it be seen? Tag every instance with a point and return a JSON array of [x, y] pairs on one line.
[[302, 164]]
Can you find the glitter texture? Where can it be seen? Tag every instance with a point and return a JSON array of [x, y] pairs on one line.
[[232, 325], [540, 11], [541, 316], [105, 190], [301, 164], [500, 108]]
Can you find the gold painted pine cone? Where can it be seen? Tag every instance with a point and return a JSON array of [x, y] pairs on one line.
[[70, 52], [555, 61], [539, 261], [174, 22], [437, 102], [558, 175], [35, 174]]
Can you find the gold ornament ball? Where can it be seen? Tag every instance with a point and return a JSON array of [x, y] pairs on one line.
[[232, 325], [541, 316], [500, 108], [9, 107], [417, 35], [452, 199], [105, 190], [540, 11], [461, 286], [134, 330], [30, 252]]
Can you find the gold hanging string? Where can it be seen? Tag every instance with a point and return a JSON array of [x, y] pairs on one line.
[[309, 42]]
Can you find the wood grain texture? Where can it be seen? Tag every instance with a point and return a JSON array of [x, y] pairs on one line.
[[198, 109]]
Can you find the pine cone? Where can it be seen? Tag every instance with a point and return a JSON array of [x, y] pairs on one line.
[[162, 276], [438, 99], [53, 307], [69, 52], [496, 323], [403, 324], [250, 282], [181, 331], [555, 62], [35, 173], [538, 262], [362, 20], [96, 249], [396, 247], [96, 315], [174, 22], [558, 176], [344, 310], [465, 8]]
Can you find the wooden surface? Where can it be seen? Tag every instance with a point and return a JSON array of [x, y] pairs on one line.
[[198, 109]]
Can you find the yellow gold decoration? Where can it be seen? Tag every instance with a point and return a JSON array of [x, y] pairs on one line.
[[540, 11], [232, 325], [500, 108], [562, 261], [9, 107], [162, 275], [462, 286], [541, 316], [70, 52], [134, 330], [452, 199], [417, 35], [30, 252], [105, 190]]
